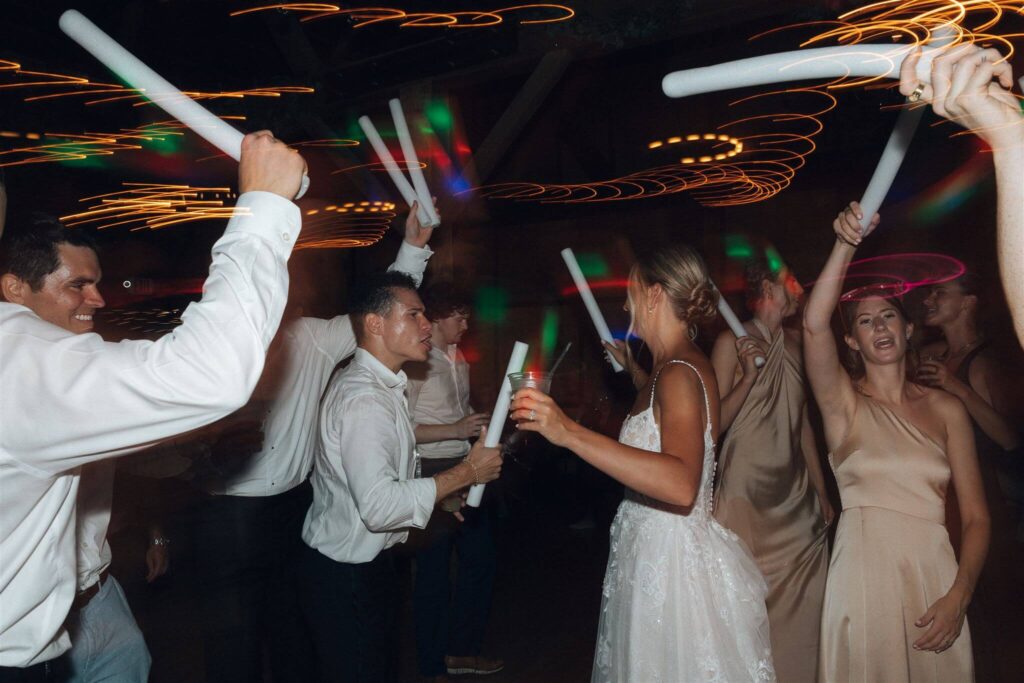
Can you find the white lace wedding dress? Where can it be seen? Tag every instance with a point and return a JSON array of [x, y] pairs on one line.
[[683, 600]]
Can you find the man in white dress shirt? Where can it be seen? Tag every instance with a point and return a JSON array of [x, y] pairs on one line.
[[449, 629], [67, 398], [250, 529], [365, 492]]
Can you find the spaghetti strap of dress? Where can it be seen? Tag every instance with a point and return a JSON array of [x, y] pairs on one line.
[[704, 389]]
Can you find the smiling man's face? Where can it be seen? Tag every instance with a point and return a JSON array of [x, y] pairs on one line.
[[69, 295]]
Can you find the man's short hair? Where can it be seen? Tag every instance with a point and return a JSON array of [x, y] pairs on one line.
[[33, 254], [445, 299], [376, 294]]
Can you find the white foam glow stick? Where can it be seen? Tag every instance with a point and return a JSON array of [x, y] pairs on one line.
[[397, 177], [137, 75], [867, 60], [890, 162], [590, 302], [896, 147], [499, 414], [412, 161], [734, 324]]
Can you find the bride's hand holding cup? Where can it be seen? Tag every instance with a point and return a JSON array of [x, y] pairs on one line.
[[535, 411]]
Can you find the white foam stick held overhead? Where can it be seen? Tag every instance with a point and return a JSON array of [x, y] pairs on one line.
[[734, 324], [889, 164], [412, 161], [860, 61], [397, 177], [140, 77], [590, 302], [500, 413], [896, 147]]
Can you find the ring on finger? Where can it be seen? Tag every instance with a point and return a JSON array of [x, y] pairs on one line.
[[533, 415], [916, 94]]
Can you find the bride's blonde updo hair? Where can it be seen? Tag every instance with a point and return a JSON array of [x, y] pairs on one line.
[[683, 276]]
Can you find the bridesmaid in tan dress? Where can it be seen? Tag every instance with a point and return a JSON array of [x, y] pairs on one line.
[[895, 599], [771, 490]]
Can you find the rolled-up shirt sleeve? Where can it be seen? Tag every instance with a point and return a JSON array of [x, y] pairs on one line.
[[68, 399], [370, 456], [412, 261]]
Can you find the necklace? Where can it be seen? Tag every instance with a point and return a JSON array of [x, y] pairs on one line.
[[963, 349]]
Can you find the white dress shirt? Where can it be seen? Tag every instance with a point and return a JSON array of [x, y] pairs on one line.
[[439, 395], [95, 498], [310, 349], [365, 494], [69, 399]]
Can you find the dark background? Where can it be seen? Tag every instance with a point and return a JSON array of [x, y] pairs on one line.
[[575, 101]]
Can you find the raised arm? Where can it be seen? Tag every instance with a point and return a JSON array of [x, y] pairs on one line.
[[113, 399], [727, 355], [971, 86], [672, 476], [830, 383]]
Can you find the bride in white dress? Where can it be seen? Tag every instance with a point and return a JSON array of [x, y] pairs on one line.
[[683, 600]]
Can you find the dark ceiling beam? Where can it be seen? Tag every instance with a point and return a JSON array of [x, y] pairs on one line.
[[524, 105]]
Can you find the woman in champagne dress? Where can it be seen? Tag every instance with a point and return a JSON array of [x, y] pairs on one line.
[[682, 600], [771, 489], [895, 599]]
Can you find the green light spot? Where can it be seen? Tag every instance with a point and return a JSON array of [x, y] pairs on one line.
[[491, 304], [168, 145], [593, 265], [738, 247], [774, 259], [439, 115], [548, 334]]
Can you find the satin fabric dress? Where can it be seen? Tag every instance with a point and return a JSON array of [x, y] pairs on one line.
[[892, 557], [765, 496], [682, 599]]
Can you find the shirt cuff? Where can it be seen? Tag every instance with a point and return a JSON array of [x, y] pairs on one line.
[[425, 497], [270, 216], [412, 260]]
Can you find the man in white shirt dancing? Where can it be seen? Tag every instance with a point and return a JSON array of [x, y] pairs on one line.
[[365, 491], [449, 630], [249, 532], [68, 398]]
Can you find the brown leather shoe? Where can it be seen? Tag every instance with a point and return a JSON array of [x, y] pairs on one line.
[[473, 665]]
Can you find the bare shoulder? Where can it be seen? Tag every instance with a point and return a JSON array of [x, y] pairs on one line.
[[943, 403], [681, 376]]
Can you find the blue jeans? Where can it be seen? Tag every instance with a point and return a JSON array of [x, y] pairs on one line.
[[106, 643]]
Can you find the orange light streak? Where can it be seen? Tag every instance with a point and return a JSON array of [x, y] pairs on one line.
[[915, 22], [85, 88], [78, 146], [768, 164], [367, 16], [154, 206]]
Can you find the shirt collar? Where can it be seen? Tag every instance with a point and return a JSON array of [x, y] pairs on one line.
[[370, 362], [450, 354]]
